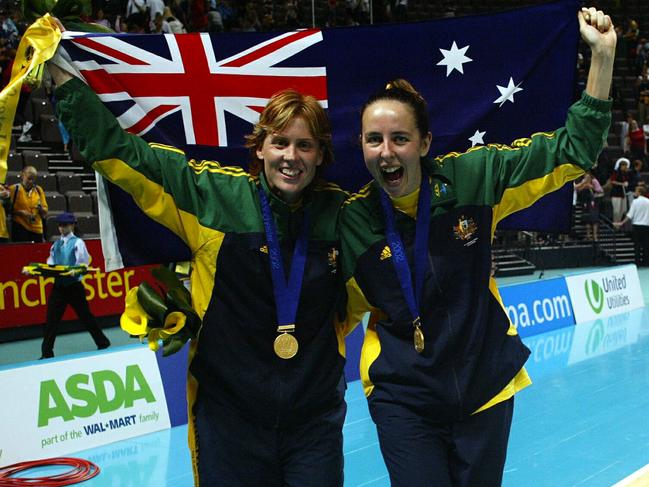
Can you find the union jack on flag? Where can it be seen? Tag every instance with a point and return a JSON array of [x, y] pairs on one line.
[[487, 79], [188, 77]]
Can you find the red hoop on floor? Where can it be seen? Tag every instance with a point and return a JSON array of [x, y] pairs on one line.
[[82, 470]]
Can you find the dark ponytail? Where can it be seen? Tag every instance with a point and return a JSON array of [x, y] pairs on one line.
[[402, 91]]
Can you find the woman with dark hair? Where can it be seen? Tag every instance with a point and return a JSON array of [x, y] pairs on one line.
[[589, 194], [441, 361], [619, 182]]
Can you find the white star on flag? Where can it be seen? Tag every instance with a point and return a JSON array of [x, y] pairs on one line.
[[507, 92], [454, 59], [477, 138]]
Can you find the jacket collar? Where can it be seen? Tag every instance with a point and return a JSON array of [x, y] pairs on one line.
[[287, 218], [442, 189]]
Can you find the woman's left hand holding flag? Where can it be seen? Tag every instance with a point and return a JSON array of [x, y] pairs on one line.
[[38, 44]]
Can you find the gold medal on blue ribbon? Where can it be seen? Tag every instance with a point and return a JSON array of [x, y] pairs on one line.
[[418, 336], [412, 296], [287, 294], [286, 345]]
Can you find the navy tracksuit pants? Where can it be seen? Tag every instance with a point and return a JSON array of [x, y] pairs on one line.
[[235, 452], [421, 453]]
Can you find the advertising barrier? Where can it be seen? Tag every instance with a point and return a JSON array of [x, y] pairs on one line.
[[538, 306], [605, 293], [23, 299], [63, 406]]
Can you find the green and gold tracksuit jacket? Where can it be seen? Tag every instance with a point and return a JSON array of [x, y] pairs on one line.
[[473, 357], [215, 211]]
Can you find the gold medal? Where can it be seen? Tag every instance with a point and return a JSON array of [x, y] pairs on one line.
[[418, 338], [285, 345]]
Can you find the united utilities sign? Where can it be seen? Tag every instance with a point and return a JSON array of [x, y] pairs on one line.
[[605, 293]]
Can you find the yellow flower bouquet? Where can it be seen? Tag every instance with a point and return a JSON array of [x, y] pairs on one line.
[[169, 320]]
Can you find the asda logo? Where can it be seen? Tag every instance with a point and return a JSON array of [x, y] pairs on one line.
[[83, 395], [594, 295]]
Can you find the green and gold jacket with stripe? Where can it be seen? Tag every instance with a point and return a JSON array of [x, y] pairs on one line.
[[215, 211], [472, 352]]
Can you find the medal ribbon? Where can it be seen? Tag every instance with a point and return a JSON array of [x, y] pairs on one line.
[[287, 295], [399, 259]]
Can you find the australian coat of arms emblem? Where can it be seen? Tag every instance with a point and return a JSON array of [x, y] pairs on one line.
[[465, 228]]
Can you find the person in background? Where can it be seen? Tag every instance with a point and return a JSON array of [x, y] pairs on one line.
[[4, 230], [100, 18], [160, 25], [589, 194], [635, 174], [619, 181], [638, 215], [28, 207], [136, 23], [636, 140], [155, 8], [69, 250], [135, 6], [175, 25], [441, 360], [643, 94]]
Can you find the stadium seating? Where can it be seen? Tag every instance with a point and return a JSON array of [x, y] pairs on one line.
[[79, 203], [15, 161], [56, 203], [35, 158], [95, 202], [49, 127], [69, 181], [47, 181], [51, 228], [87, 226]]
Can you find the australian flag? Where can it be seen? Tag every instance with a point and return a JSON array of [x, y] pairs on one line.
[[487, 78]]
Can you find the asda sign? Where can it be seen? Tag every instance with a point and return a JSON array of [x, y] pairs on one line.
[[604, 293], [54, 408], [84, 395]]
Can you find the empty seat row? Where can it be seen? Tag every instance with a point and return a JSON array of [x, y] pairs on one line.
[[76, 202], [28, 157]]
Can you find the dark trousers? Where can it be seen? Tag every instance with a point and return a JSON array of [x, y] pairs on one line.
[[21, 234], [641, 244], [72, 294], [420, 453], [234, 452]]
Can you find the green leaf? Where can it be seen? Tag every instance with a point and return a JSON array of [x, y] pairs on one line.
[[152, 303], [167, 277], [173, 344], [177, 299], [180, 298]]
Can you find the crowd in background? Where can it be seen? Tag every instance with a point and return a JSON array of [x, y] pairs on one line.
[[608, 190]]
